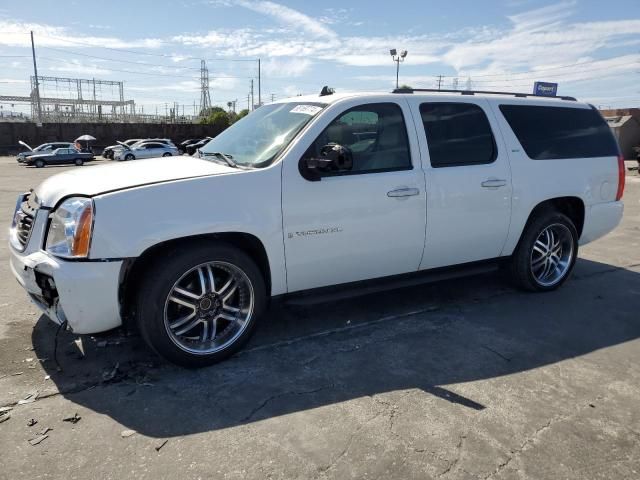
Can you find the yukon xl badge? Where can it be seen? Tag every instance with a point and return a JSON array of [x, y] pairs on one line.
[[317, 231]]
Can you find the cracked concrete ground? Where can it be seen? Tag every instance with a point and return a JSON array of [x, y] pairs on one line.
[[464, 379]]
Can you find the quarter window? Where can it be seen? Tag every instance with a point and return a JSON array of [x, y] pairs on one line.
[[457, 134], [548, 133], [375, 134]]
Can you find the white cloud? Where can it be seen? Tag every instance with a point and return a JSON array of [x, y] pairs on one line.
[[16, 34], [294, 67], [288, 16]]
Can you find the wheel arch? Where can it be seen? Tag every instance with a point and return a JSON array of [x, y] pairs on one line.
[[572, 207], [132, 271]]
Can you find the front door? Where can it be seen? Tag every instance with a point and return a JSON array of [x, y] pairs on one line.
[[468, 181], [363, 223]]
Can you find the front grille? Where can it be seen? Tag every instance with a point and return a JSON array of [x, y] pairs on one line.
[[24, 224], [24, 219]]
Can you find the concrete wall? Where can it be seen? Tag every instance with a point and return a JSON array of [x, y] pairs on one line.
[[105, 133]]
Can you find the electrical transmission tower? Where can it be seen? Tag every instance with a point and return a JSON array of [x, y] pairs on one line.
[[205, 96]]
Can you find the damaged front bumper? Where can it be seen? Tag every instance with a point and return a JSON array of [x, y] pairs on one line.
[[83, 293]]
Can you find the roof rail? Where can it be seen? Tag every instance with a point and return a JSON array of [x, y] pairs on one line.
[[482, 92]]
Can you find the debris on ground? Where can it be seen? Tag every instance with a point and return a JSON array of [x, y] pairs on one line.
[[35, 441], [101, 344], [30, 359], [127, 433], [80, 346], [32, 422], [4, 416], [41, 436], [29, 398], [11, 375], [73, 419], [158, 447], [110, 375], [5, 409]]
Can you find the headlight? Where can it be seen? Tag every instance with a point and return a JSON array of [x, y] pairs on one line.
[[70, 229]]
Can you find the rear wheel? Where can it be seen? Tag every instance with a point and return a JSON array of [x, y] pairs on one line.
[[547, 252], [39, 163], [166, 154], [79, 162], [201, 305]]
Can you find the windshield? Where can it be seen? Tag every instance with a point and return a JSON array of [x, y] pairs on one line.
[[258, 138], [44, 146]]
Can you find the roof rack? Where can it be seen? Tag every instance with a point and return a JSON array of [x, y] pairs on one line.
[[482, 92]]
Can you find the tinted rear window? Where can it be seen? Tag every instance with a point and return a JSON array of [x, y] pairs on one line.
[[548, 133], [457, 134]]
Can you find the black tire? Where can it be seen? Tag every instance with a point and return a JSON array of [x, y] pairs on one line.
[[39, 163], [158, 282], [79, 162], [129, 156], [166, 154], [520, 265]]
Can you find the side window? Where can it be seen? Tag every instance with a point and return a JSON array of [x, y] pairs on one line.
[[457, 134], [548, 133], [374, 134]]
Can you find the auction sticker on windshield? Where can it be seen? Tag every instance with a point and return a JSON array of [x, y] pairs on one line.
[[306, 109]]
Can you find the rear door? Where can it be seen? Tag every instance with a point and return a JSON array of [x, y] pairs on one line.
[[468, 180]]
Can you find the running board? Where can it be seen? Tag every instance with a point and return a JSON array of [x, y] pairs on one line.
[[344, 291]]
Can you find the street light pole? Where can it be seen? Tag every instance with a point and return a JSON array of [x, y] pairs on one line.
[[398, 58]]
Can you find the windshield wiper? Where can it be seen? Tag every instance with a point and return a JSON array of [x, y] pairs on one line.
[[227, 158]]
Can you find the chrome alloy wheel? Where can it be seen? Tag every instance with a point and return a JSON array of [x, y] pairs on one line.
[[552, 255], [209, 307]]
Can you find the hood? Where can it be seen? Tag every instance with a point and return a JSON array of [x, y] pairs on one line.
[[93, 180], [25, 145]]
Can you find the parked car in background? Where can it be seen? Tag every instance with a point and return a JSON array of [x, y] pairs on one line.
[[146, 150], [108, 151], [44, 148], [59, 156], [336, 189], [193, 148], [121, 146], [182, 147]]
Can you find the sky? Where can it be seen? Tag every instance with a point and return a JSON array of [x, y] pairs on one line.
[[590, 47]]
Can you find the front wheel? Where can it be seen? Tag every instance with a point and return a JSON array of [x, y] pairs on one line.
[[166, 154], [202, 304], [129, 157], [79, 162], [547, 252], [39, 163]]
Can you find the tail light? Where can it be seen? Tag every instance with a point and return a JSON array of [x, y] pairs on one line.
[[621, 175]]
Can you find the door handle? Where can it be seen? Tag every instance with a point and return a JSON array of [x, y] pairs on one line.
[[493, 183], [403, 192]]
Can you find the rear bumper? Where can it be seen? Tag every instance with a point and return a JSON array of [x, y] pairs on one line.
[[85, 294], [601, 219]]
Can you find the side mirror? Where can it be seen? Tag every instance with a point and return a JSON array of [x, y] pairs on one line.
[[333, 158]]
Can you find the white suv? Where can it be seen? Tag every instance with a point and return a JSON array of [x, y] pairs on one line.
[[313, 192]]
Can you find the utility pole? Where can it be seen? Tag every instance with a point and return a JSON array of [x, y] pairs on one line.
[[259, 84], [205, 96], [252, 100], [397, 58], [248, 102], [440, 78], [273, 97], [35, 72], [455, 83]]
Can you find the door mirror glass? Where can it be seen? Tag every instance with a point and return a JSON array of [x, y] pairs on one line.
[[333, 158]]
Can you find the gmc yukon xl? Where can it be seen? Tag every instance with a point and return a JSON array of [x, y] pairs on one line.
[[314, 192]]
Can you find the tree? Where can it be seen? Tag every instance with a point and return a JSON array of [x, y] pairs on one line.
[[218, 120], [242, 113]]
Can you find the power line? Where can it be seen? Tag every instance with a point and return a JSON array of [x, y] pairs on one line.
[[110, 69], [120, 61], [134, 52]]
